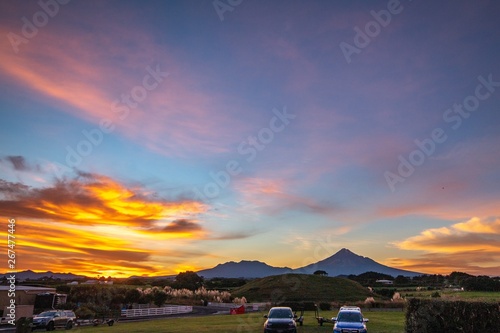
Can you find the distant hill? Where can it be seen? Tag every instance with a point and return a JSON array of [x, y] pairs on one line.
[[302, 287], [244, 268], [345, 262], [30, 275]]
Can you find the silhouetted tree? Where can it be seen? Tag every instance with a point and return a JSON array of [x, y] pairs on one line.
[[402, 280], [132, 296], [188, 280], [159, 297], [481, 283], [458, 277]]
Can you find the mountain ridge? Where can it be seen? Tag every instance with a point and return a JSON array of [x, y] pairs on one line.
[[32, 275], [250, 269], [342, 263]]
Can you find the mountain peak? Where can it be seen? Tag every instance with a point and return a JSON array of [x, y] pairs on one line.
[[344, 262], [344, 251]]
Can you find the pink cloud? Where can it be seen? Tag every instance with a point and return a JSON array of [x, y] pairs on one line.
[[85, 74], [274, 196]]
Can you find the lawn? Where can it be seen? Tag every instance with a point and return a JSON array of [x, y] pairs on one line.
[[451, 295], [380, 322]]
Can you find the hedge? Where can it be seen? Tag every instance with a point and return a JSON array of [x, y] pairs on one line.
[[431, 316]]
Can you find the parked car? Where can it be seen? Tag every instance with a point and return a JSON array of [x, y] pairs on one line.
[[71, 315], [280, 319], [349, 320], [53, 319]]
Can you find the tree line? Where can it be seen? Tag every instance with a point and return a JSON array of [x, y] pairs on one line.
[[454, 280]]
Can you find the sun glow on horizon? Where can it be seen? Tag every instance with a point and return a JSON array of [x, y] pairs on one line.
[[93, 225]]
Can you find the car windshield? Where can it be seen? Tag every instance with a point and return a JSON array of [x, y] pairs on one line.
[[350, 317], [47, 314], [280, 313]]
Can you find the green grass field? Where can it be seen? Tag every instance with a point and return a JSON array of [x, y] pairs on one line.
[[482, 296], [380, 322]]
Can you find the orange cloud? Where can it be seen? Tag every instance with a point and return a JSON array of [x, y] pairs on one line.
[[474, 234], [94, 199], [478, 226], [93, 225], [471, 262], [473, 246]]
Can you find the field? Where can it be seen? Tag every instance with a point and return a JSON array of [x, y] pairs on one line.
[[380, 322], [307, 288], [451, 295]]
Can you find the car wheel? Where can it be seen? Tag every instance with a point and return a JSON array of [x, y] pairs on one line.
[[69, 325], [50, 326]]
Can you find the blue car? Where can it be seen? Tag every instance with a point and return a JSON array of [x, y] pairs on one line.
[[349, 320]]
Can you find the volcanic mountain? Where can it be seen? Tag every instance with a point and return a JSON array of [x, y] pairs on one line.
[[344, 262]]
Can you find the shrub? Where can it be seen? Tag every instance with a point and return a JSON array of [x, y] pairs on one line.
[[425, 315], [23, 325], [324, 306], [386, 292], [297, 306], [397, 297], [369, 300], [238, 300], [83, 312], [435, 294]]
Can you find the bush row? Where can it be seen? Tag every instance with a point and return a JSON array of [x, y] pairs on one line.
[[430, 316]]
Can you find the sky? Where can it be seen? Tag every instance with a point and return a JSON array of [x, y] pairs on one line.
[[156, 137]]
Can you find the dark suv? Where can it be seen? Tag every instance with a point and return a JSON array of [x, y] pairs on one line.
[[53, 319], [280, 320]]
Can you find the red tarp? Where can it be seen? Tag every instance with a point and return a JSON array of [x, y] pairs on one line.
[[239, 310]]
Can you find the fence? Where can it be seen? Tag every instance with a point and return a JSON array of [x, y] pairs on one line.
[[248, 306], [166, 310]]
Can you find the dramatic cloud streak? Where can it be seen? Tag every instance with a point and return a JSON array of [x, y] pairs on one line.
[[94, 225], [92, 199], [473, 245]]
